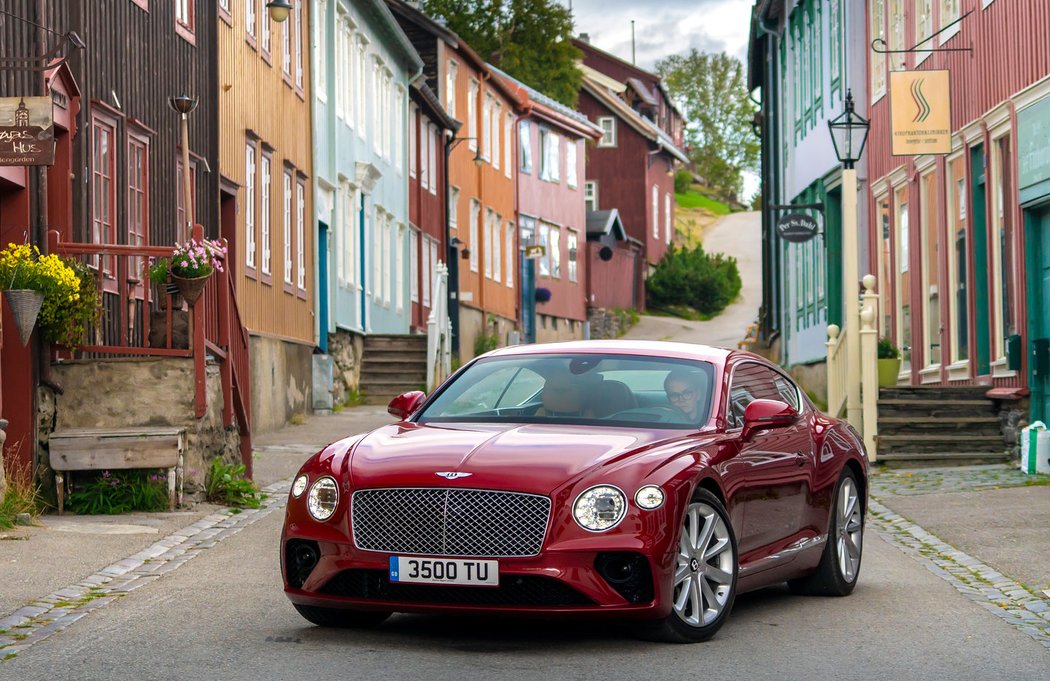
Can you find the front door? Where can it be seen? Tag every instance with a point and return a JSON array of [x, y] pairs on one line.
[[1037, 222]]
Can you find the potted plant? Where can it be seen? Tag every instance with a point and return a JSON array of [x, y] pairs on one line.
[[189, 267], [889, 363], [58, 294], [543, 295]]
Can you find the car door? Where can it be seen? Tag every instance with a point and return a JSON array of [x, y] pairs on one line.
[[767, 479]]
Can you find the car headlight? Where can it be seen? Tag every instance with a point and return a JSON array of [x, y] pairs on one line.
[[323, 498], [649, 497], [600, 508], [299, 486]]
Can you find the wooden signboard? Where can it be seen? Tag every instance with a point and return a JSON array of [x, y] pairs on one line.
[[27, 131], [921, 113]]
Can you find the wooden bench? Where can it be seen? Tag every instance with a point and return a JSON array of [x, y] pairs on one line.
[[97, 449]]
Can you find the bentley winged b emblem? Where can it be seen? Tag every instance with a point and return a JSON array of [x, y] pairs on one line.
[[451, 475]]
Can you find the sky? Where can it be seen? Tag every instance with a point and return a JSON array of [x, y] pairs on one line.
[[666, 27]]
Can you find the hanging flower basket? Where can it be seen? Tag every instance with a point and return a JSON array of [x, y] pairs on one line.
[[542, 295], [191, 288], [25, 306]]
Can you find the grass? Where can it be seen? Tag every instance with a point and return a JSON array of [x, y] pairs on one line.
[[22, 496], [298, 419], [681, 312], [694, 199], [354, 398]]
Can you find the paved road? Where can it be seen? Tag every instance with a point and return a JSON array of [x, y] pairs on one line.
[[738, 235]]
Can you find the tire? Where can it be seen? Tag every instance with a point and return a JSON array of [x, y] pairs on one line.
[[839, 567], [343, 619], [703, 588]]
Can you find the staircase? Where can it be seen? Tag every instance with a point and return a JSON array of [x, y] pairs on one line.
[[938, 426], [391, 365]]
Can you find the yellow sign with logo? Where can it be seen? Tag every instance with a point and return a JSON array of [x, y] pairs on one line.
[[920, 113]]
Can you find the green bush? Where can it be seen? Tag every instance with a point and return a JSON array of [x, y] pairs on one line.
[[887, 350], [692, 278], [227, 485], [119, 492], [682, 180], [484, 342]]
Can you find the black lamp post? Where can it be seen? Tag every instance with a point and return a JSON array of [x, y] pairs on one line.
[[849, 132]]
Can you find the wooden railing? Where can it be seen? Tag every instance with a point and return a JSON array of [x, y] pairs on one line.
[[840, 373], [439, 331], [141, 320], [837, 371]]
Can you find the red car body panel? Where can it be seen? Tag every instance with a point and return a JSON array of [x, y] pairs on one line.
[[777, 487]]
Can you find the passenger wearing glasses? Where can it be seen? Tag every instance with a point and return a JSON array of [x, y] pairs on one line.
[[683, 392]]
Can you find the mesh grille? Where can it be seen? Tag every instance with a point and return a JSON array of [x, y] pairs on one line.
[[449, 522], [514, 590]]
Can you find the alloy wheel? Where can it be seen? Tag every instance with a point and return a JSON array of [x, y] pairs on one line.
[[849, 530], [703, 580]]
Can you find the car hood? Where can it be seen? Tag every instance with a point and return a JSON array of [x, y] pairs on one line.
[[535, 458]]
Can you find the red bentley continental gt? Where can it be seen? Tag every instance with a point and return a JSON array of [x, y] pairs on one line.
[[641, 480]]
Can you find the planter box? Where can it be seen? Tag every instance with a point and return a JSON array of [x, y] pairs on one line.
[[889, 369]]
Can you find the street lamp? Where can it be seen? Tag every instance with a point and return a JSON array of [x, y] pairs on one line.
[[849, 132], [184, 105], [279, 10]]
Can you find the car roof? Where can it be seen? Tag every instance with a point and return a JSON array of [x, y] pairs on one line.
[[625, 347]]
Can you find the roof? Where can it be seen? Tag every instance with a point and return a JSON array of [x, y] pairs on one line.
[[432, 106], [587, 46], [644, 127], [602, 222], [399, 43], [531, 96], [642, 91]]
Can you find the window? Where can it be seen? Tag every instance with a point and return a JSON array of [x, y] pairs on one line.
[[497, 246], [570, 163], [450, 87], [300, 235], [544, 262], [286, 47], [668, 229], [347, 221], [753, 381], [398, 130], [413, 132], [377, 109], [138, 192], [571, 244], [923, 27], [472, 115], [796, 69], [904, 304], [359, 83], [878, 61], [249, 207], [956, 247], [298, 16], [250, 10], [399, 268], [486, 127], [472, 244], [321, 70], [424, 156], [608, 126], [264, 21], [897, 61], [103, 219], [286, 223], [264, 217], [342, 77], [655, 200], [427, 272], [490, 218], [432, 257], [1002, 236], [930, 243], [555, 252], [949, 13], [413, 266], [524, 135], [512, 261], [184, 15], [497, 110], [453, 206], [885, 265], [549, 162], [590, 195], [432, 152], [835, 40], [508, 144]]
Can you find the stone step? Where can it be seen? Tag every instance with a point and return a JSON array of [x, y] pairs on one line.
[[935, 409], [406, 342], [963, 426], [925, 459], [940, 443], [934, 393]]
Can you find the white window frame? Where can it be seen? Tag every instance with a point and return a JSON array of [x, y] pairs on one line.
[[427, 272], [320, 69], [508, 144], [359, 84], [486, 127], [879, 63], [512, 261], [413, 132], [950, 11], [399, 268], [250, 18], [286, 223], [572, 243], [298, 45], [497, 247], [555, 248], [433, 146], [490, 216], [923, 28], [300, 234], [668, 229], [472, 115], [525, 142], [497, 114], [571, 175], [453, 207], [590, 195], [424, 155], [266, 265], [473, 242], [608, 126], [451, 71], [413, 265], [249, 208], [399, 128], [655, 200]]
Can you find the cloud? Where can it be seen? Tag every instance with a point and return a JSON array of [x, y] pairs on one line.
[[665, 27]]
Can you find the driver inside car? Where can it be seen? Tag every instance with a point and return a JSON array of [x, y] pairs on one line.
[[683, 392]]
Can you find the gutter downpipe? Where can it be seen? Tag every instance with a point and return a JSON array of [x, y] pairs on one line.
[[769, 326]]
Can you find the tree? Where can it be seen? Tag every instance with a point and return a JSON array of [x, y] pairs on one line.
[[713, 95], [529, 39]]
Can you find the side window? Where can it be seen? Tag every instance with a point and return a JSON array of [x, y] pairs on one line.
[[753, 381]]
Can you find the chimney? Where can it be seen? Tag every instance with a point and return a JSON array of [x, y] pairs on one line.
[[586, 38]]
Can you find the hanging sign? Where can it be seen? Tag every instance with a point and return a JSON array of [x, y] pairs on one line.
[[920, 113], [27, 131], [533, 252], [797, 228]]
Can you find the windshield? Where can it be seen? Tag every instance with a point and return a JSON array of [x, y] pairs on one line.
[[586, 389]]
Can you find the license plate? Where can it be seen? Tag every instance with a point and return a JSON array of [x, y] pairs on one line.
[[411, 570]]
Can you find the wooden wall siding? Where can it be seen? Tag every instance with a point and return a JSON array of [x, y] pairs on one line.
[[426, 210], [19, 39], [611, 282], [256, 100], [1011, 50], [493, 189], [134, 61]]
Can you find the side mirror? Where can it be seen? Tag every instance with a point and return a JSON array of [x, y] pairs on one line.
[[405, 404], [762, 414]]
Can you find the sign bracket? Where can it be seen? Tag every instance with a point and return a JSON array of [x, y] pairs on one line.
[[884, 49]]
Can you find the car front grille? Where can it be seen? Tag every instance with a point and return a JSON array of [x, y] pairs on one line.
[[449, 522], [514, 590]]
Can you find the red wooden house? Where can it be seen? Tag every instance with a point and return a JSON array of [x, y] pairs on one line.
[[961, 241]]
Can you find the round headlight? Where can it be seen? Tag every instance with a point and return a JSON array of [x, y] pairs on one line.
[[600, 508], [649, 497], [299, 486], [323, 498]]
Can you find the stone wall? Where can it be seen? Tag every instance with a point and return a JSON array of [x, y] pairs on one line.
[[346, 349], [474, 322], [282, 379], [551, 329], [153, 392], [608, 323], [1013, 417]]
